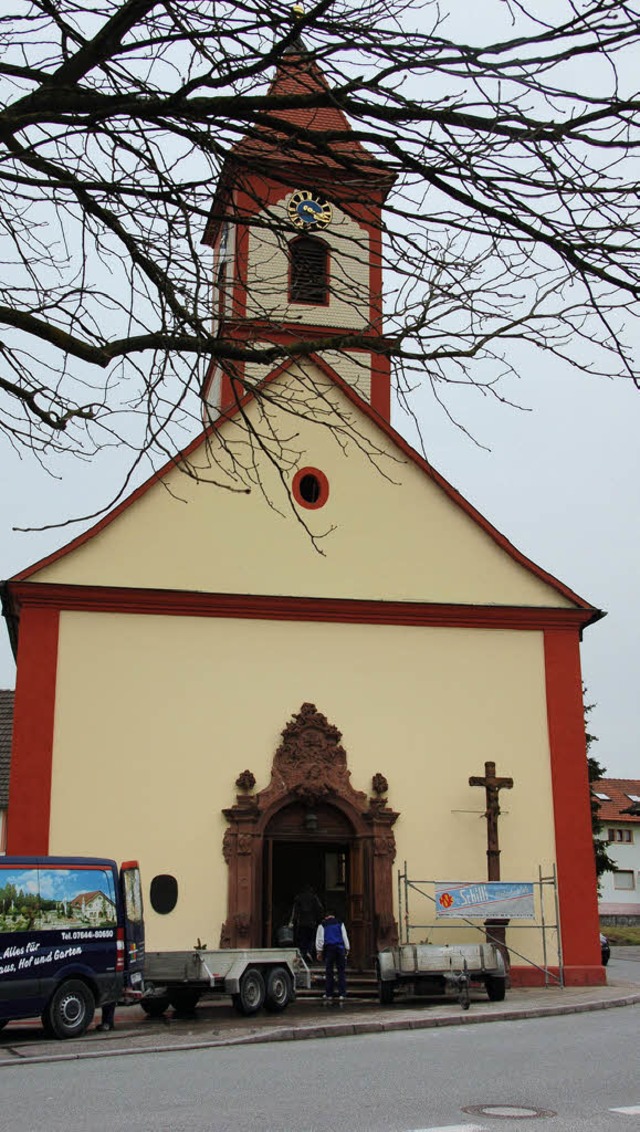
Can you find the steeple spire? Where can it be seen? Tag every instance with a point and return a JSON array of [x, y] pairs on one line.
[[298, 75], [296, 47]]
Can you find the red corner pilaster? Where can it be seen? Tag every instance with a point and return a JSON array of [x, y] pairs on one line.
[[31, 757], [575, 860], [381, 386]]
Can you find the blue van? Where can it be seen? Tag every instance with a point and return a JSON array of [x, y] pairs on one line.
[[71, 939]]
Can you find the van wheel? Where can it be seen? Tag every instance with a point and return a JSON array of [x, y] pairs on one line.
[[252, 992], [70, 1010], [279, 991], [155, 1007], [184, 1001]]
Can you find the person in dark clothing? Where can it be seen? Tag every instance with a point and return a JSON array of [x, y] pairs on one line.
[[108, 1017], [307, 911], [332, 945]]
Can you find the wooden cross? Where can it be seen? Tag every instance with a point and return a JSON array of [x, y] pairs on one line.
[[492, 786]]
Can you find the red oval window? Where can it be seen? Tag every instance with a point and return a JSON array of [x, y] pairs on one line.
[[310, 488]]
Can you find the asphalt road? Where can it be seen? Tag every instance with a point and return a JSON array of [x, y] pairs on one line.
[[624, 964], [580, 1069]]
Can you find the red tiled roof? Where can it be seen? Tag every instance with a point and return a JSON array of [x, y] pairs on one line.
[[618, 791], [298, 74], [87, 897]]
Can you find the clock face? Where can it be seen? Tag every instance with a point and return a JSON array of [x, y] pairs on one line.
[[309, 210]]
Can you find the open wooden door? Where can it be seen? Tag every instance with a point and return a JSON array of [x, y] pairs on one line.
[[359, 915], [267, 888]]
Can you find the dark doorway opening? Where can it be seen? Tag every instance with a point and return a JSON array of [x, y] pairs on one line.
[[293, 865]]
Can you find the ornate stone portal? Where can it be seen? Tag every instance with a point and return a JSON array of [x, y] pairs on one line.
[[310, 767]]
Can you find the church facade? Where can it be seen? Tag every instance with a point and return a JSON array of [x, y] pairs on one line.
[[252, 690]]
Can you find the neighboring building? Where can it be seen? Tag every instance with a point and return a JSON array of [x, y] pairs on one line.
[[244, 708], [619, 814], [6, 728], [95, 907]]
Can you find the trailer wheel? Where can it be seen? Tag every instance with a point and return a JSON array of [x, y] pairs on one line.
[[252, 992], [386, 991], [155, 1007], [71, 1009], [185, 1000], [279, 990], [495, 987]]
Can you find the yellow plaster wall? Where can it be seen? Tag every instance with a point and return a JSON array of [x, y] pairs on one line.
[[387, 532], [268, 272], [155, 718]]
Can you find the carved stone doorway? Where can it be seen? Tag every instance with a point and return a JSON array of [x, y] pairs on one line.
[[343, 837]]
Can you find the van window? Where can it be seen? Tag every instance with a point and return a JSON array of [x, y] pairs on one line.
[[49, 899]]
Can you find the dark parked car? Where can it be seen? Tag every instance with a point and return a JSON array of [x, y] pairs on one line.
[[605, 950]]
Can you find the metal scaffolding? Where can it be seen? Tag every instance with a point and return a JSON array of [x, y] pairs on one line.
[[545, 888]]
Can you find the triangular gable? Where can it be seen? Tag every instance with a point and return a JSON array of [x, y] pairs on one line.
[[406, 535]]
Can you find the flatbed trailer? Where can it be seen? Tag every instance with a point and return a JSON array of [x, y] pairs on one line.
[[253, 977], [428, 969]]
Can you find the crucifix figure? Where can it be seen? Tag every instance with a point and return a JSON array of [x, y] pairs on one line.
[[492, 786], [496, 929]]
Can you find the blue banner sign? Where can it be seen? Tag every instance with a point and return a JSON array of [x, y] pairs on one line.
[[490, 899]]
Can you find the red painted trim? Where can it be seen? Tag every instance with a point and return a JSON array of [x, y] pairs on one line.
[[240, 257], [228, 396], [284, 334], [323, 484], [575, 863], [381, 385], [384, 426], [573, 976], [113, 599], [32, 753]]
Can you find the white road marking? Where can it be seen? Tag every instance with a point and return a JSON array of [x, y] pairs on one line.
[[633, 1110], [454, 1128]]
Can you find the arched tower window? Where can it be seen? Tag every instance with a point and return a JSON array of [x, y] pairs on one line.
[[309, 271]]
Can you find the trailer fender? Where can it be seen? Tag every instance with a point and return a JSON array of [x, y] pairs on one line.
[[234, 974], [386, 966]]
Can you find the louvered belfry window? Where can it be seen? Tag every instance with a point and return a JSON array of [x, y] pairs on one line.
[[309, 278]]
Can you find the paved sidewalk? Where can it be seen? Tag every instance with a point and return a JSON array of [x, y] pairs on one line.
[[217, 1024]]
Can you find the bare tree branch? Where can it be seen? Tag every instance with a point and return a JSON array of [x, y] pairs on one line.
[[126, 128]]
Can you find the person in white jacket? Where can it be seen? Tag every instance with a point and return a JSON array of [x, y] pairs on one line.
[[332, 946]]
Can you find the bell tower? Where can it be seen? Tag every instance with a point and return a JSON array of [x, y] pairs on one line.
[[296, 233]]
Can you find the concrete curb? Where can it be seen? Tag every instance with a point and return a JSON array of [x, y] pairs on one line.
[[343, 1028], [426, 1022]]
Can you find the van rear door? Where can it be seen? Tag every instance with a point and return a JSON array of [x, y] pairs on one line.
[[133, 943], [20, 993]]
